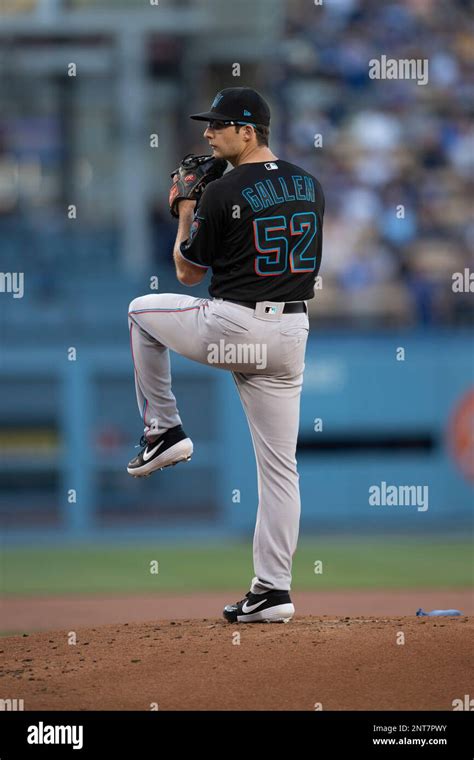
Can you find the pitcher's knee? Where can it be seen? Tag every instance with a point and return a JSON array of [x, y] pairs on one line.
[[134, 305], [141, 303], [149, 302]]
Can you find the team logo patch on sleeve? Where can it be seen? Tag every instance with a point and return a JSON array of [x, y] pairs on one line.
[[194, 228]]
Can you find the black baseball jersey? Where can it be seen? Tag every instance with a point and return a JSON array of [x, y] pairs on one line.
[[259, 228]]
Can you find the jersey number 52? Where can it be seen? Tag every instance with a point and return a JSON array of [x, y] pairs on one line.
[[275, 253]]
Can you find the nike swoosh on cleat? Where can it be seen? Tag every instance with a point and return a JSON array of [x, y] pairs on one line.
[[148, 454], [250, 608]]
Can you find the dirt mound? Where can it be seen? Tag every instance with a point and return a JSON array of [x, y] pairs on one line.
[[43, 613], [349, 663]]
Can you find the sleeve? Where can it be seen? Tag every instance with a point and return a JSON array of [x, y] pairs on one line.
[[207, 229]]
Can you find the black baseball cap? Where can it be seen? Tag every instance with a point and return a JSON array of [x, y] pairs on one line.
[[237, 104]]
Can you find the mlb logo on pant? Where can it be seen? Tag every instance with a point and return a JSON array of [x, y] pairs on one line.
[[270, 309]]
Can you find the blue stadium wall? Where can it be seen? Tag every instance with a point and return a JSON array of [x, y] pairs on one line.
[[394, 409]]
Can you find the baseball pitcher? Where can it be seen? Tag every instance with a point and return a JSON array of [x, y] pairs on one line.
[[258, 227]]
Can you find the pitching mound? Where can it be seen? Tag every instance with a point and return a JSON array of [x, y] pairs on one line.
[[328, 662]]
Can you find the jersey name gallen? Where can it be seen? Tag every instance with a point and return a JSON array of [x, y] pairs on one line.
[[269, 192]]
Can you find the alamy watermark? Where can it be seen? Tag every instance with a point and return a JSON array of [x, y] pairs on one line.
[[384, 495], [254, 354], [403, 68], [12, 282], [47, 734], [463, 282], [11, 705], [463, 704]]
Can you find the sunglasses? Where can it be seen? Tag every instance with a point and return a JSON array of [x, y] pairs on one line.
[[217, 125]]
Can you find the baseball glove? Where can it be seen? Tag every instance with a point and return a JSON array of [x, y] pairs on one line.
[[192, 176]]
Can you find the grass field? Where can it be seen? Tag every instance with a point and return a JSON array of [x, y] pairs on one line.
[[358, 564]]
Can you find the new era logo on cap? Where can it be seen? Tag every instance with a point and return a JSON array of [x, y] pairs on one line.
[[237, 103]]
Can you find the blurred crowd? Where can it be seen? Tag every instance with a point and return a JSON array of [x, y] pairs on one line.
[[396, 158]]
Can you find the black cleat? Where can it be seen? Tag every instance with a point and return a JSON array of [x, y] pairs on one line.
[[271, 607], [168, 449]]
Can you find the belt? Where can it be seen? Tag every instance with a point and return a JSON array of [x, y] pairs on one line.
[[292, 307]]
